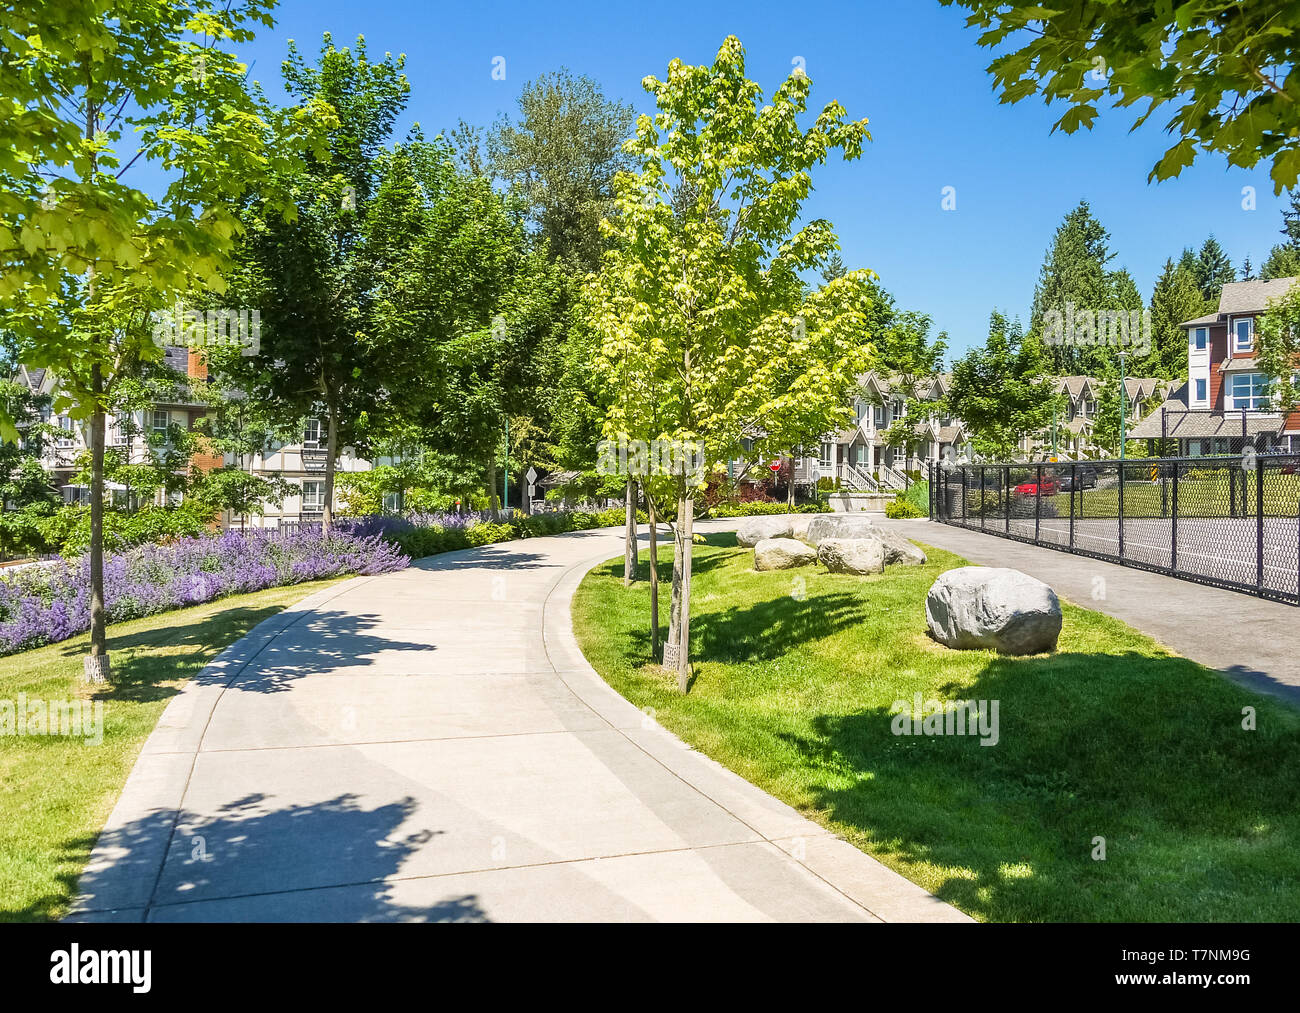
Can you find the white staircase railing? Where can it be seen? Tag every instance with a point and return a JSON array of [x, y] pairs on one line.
[[892, 479], [857, 480]]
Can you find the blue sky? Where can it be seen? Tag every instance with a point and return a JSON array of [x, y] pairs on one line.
[[911, 67]]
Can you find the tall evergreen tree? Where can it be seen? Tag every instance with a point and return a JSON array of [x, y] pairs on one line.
[[563, 153], [1174, 299], [1213, 271], [1074, 272]]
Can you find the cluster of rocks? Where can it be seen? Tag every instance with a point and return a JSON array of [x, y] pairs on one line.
[[843, 543], [971, 607]]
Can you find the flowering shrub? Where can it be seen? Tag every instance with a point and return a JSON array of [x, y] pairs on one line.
[[46, 604]]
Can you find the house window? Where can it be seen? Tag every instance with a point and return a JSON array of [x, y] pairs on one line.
[[826, 456], [311, 434], [1247, 390], [160, 421], [393, 502], [859, 411], [313, 496], [65, 431], [1242, 330], [878, 413], [1200, 391], [1201, 338]]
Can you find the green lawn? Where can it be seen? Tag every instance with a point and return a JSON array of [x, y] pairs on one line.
[[56, 792], [1110, 737]]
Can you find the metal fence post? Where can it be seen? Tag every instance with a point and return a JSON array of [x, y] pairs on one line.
[[1121, 510], [965, 495], [1259, 520], [1038, 504], [1173, 521], [1074, 484], [1006, 499], [984, 513]]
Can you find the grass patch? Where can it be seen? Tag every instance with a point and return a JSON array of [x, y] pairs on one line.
[[56, 792], [1113, 736]]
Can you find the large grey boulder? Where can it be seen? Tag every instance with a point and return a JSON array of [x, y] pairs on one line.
[[989, 606], [799, 525], [899, 550], [782, 554], [753, 530], [859, 556], [838, 526]]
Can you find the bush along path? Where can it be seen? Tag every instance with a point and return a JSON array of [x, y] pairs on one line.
[[47, 604]]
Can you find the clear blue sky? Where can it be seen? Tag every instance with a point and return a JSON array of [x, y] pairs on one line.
[[911, 67]]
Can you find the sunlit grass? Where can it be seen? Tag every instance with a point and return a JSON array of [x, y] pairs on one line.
[[1112, 737], [57, 791]]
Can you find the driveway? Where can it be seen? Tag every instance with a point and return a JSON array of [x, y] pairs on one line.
[[431, 745]]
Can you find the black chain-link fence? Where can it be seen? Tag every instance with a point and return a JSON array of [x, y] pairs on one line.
[[1232, 522]]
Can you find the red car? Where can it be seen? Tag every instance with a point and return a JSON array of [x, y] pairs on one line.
[[1050, 487]]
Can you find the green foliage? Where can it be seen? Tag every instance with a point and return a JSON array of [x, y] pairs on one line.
[[902, 508], [1001, 391], [312, 274], [706, 331], [1174, 298], [427, 541], [91, 89], [1076, 270], [1278, 350], [562, 154], [1225, 66], [760, 508], [1213, 271], [67, 530]]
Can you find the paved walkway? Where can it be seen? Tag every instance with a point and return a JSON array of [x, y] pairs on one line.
[[1254, 641], [431, 745]]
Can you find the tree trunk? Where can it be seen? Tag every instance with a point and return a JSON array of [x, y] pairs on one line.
[[677, 651], [97, 666], [492, 486], [687, 538], [789, 489], [629, 531], [654, 579], [331, 452], [675, 598]]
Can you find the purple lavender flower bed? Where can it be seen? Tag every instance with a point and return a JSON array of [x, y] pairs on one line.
[[46, 604]]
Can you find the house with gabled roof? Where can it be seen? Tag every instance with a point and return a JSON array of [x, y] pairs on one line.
[[859, 456], [1223, 406], [300, 462]]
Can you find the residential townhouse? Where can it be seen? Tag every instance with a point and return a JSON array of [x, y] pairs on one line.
[[860, 458], [1223, 406], [1071, 436], [301, 463]]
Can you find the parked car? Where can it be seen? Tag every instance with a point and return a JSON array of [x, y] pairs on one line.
[[1086, 475], [1050, 486]]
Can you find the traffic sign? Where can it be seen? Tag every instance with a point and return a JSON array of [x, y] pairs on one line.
[[531, 475]]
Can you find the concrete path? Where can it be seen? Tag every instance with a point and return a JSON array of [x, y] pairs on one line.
[[431, 745], [1253, 641]]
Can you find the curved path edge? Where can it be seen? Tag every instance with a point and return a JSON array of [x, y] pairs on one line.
[[139, 858]]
